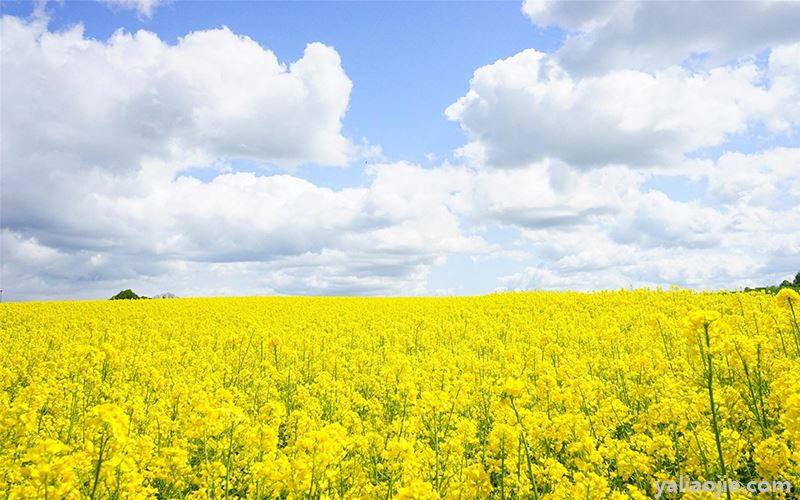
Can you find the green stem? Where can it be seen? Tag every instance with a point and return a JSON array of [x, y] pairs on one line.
[[97, 467], [714, 422], [795, 328], [527, 451], [228, 462]]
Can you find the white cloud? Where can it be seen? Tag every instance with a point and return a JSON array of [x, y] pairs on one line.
[[550, 194], [52, 274], [112, 104], [652, 35], [144, 8], [528, 107], [743, 232], [770, 179], [784, 74], [709, 271], [268, 234], [242, 233]]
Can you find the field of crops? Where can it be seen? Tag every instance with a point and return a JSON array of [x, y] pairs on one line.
[[534, 395]]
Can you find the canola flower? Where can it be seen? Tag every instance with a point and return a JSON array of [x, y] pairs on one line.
[[527, 395]]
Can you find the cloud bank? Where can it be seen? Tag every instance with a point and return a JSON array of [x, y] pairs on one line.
[[598, 166], [611, 34], [529, 107]]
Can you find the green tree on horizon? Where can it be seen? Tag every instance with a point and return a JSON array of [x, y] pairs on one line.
[[127, 294]]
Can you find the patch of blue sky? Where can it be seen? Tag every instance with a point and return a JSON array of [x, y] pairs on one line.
[[335, 178], [699, 62], [330, 177], [762, 59], [696, 62], [505, 235], [463, 275], [207, 173], [784, 200], [678, 187], [683, 189], [475, 275], [16, 8], [756, 139]]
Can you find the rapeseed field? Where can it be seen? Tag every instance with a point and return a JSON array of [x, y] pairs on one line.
[[526, 395]]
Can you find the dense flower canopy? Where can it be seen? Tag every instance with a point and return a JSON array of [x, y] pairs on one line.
[[511, 395]]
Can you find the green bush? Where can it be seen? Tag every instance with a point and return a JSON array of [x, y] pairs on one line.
[[126, 295]]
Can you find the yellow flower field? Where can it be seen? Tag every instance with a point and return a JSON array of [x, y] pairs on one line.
[[529, 395]]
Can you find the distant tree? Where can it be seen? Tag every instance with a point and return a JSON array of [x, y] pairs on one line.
[[126, 295], [773, 289]]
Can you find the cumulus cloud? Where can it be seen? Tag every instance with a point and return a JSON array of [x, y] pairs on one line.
[[742, 232], [245, 233], [112, 104], [618, 34], [32, 271], [528, 107], [549, 194], [238, 232], [653, 269], [784, 76], [596, 258], [83, 117], [769, 179], [144, 8]]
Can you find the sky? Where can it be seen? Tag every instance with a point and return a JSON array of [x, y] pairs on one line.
[[396, 148]]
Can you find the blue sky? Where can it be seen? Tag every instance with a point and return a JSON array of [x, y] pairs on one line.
[[414, 148]]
